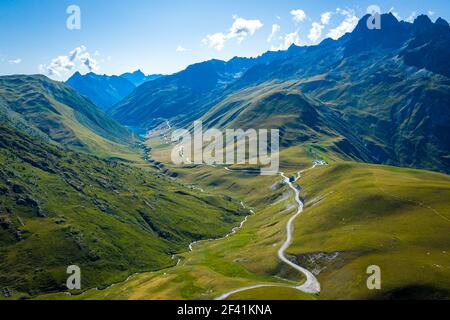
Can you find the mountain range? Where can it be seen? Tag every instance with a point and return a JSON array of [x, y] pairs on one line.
[[77, 187], [181, 95], [106, 91], [138, 77], [73, 188], [383, 93]]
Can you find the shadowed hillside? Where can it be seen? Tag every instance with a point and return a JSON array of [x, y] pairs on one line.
[[59, 208], [54, 111]]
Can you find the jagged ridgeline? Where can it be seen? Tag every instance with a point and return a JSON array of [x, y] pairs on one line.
[[59, 208], [379, 96], [105, 91]]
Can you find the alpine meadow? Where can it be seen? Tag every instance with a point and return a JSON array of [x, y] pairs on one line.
[[238, 150]]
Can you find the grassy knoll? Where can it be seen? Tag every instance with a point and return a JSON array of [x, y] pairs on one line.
[[214, 267]]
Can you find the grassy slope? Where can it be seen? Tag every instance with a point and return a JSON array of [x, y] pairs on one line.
[[401, 113], [246, 258], [59, 208], [300, 119], [388, 224], [373, 215], [56, 111], [275, 293]]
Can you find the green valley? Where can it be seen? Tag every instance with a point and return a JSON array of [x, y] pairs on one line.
[[59, 207], [107, 173], [341, 232]]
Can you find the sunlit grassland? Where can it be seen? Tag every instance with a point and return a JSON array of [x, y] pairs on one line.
[[114, 219], [94, 143], [368, 214], [55, 112], [395, 218], [272, 293], [372, 215], [246, 258], [253, 189]]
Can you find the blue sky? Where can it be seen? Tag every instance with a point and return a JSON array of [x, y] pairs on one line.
[[164, 36]]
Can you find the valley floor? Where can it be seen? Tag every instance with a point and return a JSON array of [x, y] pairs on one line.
[[355, 216]]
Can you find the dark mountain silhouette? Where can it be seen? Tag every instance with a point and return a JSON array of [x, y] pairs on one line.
[[106, 91], [103, 90], [183, 95]]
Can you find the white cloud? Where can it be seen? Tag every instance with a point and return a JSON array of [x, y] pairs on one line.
[[291, 38], [15, 61], [395, 13], [79, 59], [288, 40], [298, 15], [240, 30], [277, 48], [344, 12], [275, 29], [315, 32], [325, 18], [412, 16], [347, 25], [216, 40], [431, 13], [180, 49]]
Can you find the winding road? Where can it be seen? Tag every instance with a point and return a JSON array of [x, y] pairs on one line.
[[311, 284]]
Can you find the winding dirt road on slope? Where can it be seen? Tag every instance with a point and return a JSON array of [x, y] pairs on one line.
[[311, 284]]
